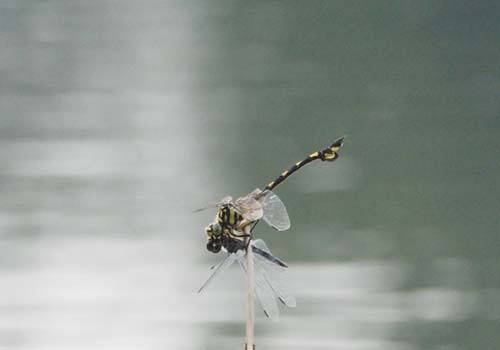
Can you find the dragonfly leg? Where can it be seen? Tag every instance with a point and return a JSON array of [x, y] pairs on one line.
[[248, 242], [247, 236], [243, 224], [254, 224], [240, 235], [250, 234]]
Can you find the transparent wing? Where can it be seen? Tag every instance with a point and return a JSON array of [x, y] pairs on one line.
[[263, 290], [225, 200], [249, 207], [221, 266], [273, 274], [210, 206], [267, 255], [275, 213]]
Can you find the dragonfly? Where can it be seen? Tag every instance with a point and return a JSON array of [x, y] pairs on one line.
[[234, 216], [230, 231]]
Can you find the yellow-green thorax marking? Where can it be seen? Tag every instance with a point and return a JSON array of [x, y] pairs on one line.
[[229, 219], [225, 231], [328, 154]]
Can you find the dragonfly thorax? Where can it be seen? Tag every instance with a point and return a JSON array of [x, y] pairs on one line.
[[229, 229], [228, 218], [223, 232]]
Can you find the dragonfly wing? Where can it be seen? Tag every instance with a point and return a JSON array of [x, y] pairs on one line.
[[263, 290], [205, 208], [249, 208], [273, 273], [225, 200], [275, 213], [221, 266], [267, 255]]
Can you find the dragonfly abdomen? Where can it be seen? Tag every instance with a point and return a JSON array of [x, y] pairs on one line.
[[328, 154]]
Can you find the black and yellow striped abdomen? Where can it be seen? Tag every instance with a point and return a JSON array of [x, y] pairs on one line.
[[328, 154]]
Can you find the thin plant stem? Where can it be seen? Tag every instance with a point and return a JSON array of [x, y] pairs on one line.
[[250, 288]]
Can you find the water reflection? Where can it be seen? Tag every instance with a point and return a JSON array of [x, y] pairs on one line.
[[116, 122]]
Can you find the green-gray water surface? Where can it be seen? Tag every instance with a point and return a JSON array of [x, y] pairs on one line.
[[117, 119]]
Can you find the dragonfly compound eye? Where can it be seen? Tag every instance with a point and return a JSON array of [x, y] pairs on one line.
[[216, 229], [213, 230]]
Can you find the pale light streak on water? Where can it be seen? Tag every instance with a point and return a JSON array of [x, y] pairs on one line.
[[117, 121]]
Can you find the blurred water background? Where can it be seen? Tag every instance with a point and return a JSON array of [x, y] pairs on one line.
[[117, 119]]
